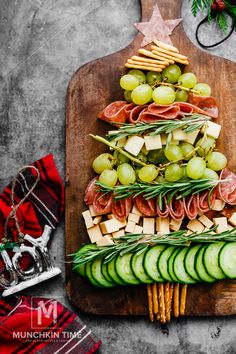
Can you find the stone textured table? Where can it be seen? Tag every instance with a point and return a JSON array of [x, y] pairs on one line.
[[42, 43]]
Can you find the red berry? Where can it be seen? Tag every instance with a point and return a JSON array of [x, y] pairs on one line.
[[221, 6], [214, 6]]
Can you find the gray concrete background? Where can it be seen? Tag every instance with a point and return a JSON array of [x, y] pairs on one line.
[[42, 43]]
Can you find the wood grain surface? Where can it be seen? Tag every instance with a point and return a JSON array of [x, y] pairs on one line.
[[91, 88]]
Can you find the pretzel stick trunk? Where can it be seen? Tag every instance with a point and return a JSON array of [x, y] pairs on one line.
[[171, 301], [168, 299], [183, 299], [155, 300], [150, 302], [162, 303], [176, 300]]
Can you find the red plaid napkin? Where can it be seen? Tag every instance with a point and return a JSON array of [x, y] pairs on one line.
[[44, 206], [44, 326]]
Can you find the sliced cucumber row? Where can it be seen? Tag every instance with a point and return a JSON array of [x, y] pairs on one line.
[[188, 265]]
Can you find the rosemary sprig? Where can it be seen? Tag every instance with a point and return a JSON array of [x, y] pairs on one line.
[[138, 243], [188, 124], [151, 190]]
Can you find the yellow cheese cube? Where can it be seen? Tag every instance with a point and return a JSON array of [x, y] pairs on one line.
[[195, 226], [148, 225], [191, 137], [136, 211], [105, 241], [109, 226], [87, 219], [92, 211], [119, 223], [232, 219], [152, 142], [97, 220], [179, 134], [163, 225], [175, 224], [222, 224], [230, 227], [205, 221], [134, 217], [138, 229], [134, 145], [94, 233], [212, 129], [218, 205], [130, 227], [118, 234]]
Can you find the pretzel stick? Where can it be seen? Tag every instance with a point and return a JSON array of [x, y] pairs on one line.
[[167, 300], [149, 54], [170, 58], [168, 312], [183, 299], [142, 67], [168, 52], [131, 61], [166, 46], [162, 303], [150, 302], [155, 299], [176, 300], [147, 60]]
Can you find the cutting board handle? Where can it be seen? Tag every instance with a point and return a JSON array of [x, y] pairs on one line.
[[169, 9]]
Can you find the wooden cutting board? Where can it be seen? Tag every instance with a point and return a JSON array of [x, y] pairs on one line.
[[91, 88]]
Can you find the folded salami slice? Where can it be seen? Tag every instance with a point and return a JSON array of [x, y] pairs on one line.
[[114, 112], [90, 191], [121, 208], [164, 212], [102, 203], [227, 190], [146, 207], [190, 206], [136, 114], [206, 103], [176, 209], [203, 203]]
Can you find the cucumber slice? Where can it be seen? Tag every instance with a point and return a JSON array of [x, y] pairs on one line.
[[124, 270], [189, 262], [227, 259], [179, 268], [105, 273], [170, 264], [162, 263], [199, 266], [138, 269], [89, 275], [150, 262], [111, 269], [81, 269], [211, 260], [96, 270]]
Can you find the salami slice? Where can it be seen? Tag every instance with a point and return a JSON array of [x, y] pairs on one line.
[[164, 212], [121, 208], [102, 203], [190, 206], [135, 114], [90, 191], [146, 207], [207, 103], [176, 209], [227, 190], [114, 112], [202, 201]]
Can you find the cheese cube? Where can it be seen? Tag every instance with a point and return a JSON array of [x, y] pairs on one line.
[[119, 223], [134, 145], [222, 224], [109, 226], [205, 229], [134, 217], [195, 226], [191, 137], [230, 227], [105, 241], [94, 233], [163, 138], [138, 229], [148, 225], [136, 211], [232, 219], [118, 234], [87, 219], [97, 220], [121, 142], [205, 221], [130, 227], [179, 134], [188, 233], [153, 142], [163, 225], [175, 224], [92, 211], [212, 129], [218, 205]]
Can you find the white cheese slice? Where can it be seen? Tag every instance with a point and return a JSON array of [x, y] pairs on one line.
[[179, 134], [191, 137], [134, 145], [130, 227], [92, 211], [195, 226], [148, 225], [175, 224], [109, 226], [119, 223], [87, 219], [105, 241], [138, 229], [222, 224], [152, 142], [134, 217], [218, 205], [97, 220], [136, 211], [206, 221], [118, 234], [230, 227], [212, 129], [163, 225], [94, 233], [232, 219]]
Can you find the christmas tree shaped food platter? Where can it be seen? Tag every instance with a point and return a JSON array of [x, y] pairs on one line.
[[217, 298]]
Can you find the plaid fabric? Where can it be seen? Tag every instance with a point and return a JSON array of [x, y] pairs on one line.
[[43, 326], [44, 206]]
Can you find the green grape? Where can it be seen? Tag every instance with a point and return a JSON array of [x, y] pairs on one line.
[[216, 161], [196, 167], [153, 77], [206, 144], [148, 173], [184, 170], [142, 157], [181, 96], [103, 162], [141, 94], [108, 177], [137, 169], [204, 89], [210, 174], [139, 75], [121, 158], [171, 73], [188, 80], [160, 179], [173, 153], [126, 174], [157, 156], [129, 82], [127, 95], [173, 172], [187, 150], [163, 95]]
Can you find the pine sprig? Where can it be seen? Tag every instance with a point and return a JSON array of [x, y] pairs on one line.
[[139, 243], [188, 124], [198, 5]]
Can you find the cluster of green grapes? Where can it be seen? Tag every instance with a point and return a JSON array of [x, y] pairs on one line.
[[140, 88], [171, 163]]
